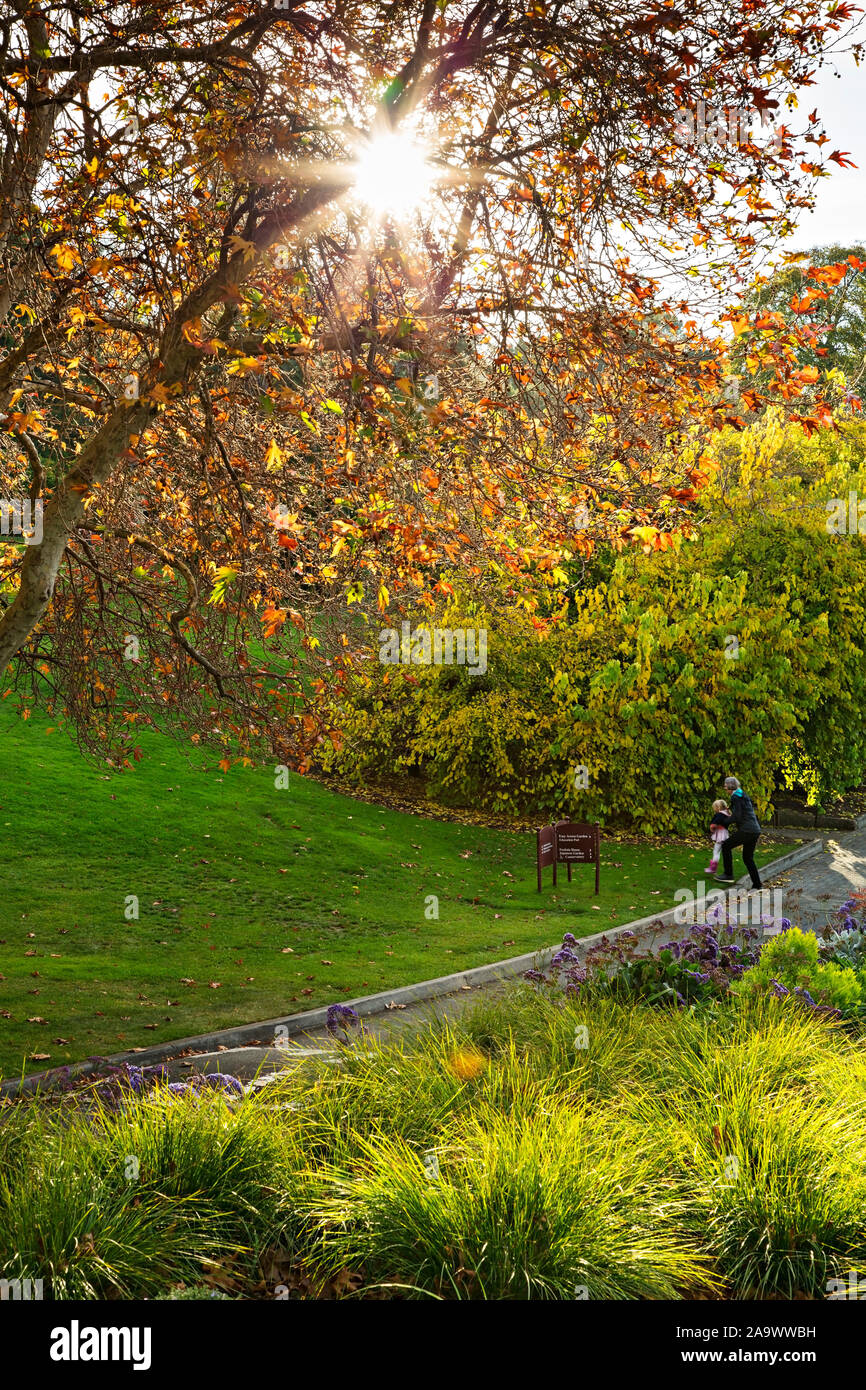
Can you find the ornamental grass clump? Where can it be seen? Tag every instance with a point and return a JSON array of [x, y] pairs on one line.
[[123, 1203], [553, 1204], [766, 1138], [543, 1145]]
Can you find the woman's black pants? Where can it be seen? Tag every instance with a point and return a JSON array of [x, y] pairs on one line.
[[748, 843]]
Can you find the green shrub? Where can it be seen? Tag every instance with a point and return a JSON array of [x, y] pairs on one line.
[[838, 988], [637, 682], [791, 959]]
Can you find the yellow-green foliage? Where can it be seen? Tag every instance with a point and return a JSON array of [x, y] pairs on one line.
[[792, 959], [743, 651]]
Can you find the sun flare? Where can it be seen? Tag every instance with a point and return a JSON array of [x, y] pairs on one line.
[[392, 175]]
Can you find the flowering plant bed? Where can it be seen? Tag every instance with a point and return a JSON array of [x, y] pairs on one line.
[[717, 958]]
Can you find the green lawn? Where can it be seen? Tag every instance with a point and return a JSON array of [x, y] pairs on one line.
[[253, 902]]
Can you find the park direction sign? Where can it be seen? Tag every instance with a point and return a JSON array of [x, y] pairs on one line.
[[567, 842]]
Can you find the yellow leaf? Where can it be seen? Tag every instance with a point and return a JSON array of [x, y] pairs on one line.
[[247, 249], [273, 457], [66, 257]]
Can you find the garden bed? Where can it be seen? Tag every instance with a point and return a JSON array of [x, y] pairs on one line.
[[548, 1144]]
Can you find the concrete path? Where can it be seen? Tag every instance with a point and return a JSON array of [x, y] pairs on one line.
[[813, 890]]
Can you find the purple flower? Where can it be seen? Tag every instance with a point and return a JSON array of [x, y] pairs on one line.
[[779, 989], [569, 940], [157, 1073], [785, 924], [221, 1081], [178, 1088], [535, 976], [340, 1019]]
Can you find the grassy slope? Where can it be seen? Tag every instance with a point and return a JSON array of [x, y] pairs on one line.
[[229, 872]]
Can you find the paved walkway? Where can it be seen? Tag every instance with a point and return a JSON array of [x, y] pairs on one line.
[[810, 891], [813, 890]]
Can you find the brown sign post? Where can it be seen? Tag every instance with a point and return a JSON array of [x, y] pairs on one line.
[[568, 842], [545, 851]]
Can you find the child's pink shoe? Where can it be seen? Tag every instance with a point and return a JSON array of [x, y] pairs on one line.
[[713, 865]]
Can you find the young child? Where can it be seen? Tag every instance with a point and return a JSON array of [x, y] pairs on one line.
[[718, 832]]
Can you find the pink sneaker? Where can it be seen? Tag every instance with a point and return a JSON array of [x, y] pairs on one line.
[[713, 865]]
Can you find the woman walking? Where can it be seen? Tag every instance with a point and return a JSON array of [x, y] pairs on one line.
[[744, 831]]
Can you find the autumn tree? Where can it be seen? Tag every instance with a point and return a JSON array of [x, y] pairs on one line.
[[303, 306], [822, 293]]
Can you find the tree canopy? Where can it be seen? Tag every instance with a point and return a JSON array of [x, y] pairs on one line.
[[823, 292], [303, 306]]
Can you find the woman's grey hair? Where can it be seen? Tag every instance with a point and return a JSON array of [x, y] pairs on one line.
[[731, 782]]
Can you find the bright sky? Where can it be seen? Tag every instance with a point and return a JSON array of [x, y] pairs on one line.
[[840, 209]]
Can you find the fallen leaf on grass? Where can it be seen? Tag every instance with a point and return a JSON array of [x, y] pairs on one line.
[[39, 1057]]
